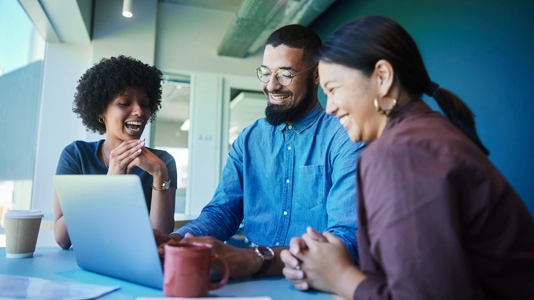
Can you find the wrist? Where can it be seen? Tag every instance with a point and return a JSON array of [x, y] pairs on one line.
[[350, 280], [160, 173], [176, 237], [161, 185], [257, 262], [266, 258]]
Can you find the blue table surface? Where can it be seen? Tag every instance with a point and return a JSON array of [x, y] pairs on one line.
[[60, 265]]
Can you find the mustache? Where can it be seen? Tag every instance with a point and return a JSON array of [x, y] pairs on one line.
[[285, 93]]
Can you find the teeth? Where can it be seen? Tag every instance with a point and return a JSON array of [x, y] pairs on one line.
[[134, 123], [280, 97], [344, 120]]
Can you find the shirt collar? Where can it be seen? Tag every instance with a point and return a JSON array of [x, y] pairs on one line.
[[305, 122]]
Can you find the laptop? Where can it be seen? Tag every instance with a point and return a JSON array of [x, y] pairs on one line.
[[109, 226]]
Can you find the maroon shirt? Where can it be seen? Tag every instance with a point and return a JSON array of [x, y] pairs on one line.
[[436, 218]]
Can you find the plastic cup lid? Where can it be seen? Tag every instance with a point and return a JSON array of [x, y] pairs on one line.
[[24, 214]]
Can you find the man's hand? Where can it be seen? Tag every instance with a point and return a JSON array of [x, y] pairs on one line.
[[242, 262], [162, 239]]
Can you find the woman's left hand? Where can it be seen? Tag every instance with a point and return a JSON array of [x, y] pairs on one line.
[[149, 162], [153, 165]]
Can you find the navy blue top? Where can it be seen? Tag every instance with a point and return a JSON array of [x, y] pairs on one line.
[[81, 157]]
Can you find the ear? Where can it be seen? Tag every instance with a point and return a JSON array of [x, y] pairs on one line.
[[316, 76], [385, 77]]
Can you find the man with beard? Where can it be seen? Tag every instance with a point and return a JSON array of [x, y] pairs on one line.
[[292, 169]]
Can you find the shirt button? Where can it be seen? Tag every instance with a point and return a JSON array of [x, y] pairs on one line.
[[287, 181], [290, 127], [289, 148], [285, 213], [277, 244]]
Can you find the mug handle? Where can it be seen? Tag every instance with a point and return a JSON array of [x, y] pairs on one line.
[[224, 280]]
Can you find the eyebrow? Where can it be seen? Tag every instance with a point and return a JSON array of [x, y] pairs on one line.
[[326, 84], [282, 68]]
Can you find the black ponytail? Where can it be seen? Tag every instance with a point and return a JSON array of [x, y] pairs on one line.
[[457, 112], [361, 43]]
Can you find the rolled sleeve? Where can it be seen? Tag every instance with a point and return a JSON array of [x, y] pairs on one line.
[[341, 203]]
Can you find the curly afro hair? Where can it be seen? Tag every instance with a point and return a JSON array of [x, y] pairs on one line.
[[105, 80]]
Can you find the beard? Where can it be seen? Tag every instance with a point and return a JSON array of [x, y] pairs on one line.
[[278, 114]]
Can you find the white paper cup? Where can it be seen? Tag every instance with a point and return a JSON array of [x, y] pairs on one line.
[[22, 229]]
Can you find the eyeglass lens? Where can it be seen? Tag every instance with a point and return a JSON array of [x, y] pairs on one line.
[[283, 76]]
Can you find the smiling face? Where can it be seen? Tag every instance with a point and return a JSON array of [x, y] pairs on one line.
[[126, 116], [292, 102], [350, 97]]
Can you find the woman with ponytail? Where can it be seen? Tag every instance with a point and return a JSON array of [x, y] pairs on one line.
[[436, 219]]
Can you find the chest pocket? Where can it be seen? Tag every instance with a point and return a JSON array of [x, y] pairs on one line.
[[309, 188]]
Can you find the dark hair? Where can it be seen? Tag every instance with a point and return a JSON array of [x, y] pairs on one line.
[[103, 82], [361, 43], [297, 36]]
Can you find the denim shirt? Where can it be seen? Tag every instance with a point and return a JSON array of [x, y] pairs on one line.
[[281, 179]]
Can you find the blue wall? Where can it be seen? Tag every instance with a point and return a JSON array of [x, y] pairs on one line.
[[481, 50]]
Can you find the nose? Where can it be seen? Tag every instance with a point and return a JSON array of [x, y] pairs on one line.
[[137, 109], [273, 84], [331, 108]]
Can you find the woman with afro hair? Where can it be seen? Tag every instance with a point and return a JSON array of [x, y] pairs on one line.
[[118, 96]]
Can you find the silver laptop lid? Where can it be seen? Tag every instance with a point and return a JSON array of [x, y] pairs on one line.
[[109, 226]]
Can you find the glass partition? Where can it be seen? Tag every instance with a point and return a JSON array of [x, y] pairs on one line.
[[21, 65], [170, 129]]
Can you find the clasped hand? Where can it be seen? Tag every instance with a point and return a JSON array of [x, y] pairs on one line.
[[131, 154], [316, 261]]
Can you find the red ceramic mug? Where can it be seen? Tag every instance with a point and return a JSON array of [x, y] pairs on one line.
[[187, 270]]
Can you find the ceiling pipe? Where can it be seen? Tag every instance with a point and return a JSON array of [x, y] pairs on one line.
[[257, 19], [127, 8]]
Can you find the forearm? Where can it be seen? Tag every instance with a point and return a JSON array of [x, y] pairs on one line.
[[347, 283], [245, 262], [348, 236], [213, 221], [60, 233], [162, 204], [162, 210], [60, 228]]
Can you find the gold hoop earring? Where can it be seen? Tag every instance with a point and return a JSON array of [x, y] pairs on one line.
[[382, 111], [101, 120]]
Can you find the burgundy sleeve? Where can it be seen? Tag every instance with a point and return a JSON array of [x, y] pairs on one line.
[[413, 227]]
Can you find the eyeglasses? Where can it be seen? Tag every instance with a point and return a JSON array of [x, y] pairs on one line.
[[284, 76]]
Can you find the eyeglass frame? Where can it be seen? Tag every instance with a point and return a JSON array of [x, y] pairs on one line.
[[260, 75]]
